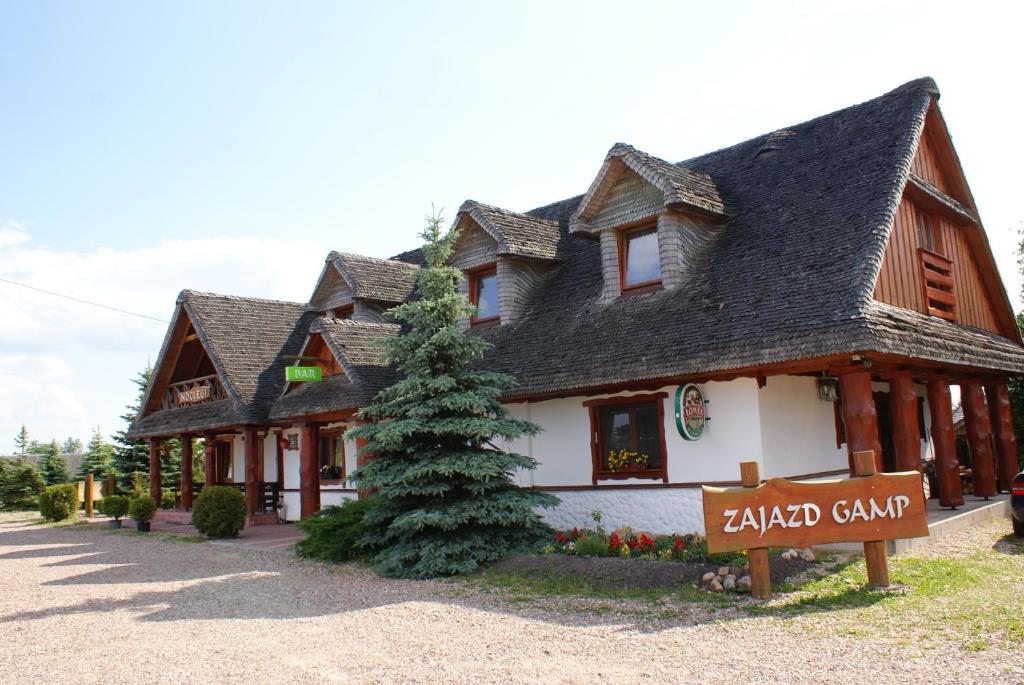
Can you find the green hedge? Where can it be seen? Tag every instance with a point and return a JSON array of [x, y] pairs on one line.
[[335, 533], [58, 502], [142, 508], [114, 506], [219, 512]]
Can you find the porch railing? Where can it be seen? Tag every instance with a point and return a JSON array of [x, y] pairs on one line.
[[194, 391]]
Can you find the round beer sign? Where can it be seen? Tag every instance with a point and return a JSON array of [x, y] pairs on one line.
[[690, 415]]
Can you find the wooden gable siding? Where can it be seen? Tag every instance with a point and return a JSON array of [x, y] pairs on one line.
[[900, 281], [336, 294], [927, 164], [630, 200], [186, 358]]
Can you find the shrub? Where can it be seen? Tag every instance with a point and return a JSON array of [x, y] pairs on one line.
[[114, 506], [58, 502], [20, 485], [142, 508], [219, 512], [336, 532], [592, 545], [167, 499]]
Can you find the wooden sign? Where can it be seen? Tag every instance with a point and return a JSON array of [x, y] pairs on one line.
[[781, 513], [199, 393], [869, 508]]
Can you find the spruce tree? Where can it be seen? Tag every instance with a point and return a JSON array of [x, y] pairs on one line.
[[98, 459], [20, 485], [71, 446], [52, 464], [131, 456], [445, 499], [21, 442]]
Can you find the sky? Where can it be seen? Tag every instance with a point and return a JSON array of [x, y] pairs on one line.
[[148, 147]]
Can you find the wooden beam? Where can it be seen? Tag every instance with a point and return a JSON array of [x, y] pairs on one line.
[[979, 438], [906, 425], [1002, 432], [760, 579], [877, 563], [209, 459], [154, 470], [944, 441], [252, 469], [309, 469], [860, 415], [186, 472]]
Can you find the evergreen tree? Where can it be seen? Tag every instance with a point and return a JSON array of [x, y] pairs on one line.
[[99, 457], [445, 499], [21, 442], [52, 464], [20, 485], [71, 446], [131, 455]]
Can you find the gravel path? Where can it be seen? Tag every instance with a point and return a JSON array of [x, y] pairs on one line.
[[81, 605]]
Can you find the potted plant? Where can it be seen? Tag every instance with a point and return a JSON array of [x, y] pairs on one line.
[[142, 509], [114, 506]]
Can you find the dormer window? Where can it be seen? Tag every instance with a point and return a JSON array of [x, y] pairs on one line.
[[483, 294], [640, 263], [344, 312]]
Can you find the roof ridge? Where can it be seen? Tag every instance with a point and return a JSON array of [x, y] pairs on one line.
[[187, 292], [334, 254]]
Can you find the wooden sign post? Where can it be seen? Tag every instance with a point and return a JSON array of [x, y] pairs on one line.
[[869, 508], [88, 495]]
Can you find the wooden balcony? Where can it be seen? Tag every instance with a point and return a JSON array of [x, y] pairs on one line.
[[191, 392]]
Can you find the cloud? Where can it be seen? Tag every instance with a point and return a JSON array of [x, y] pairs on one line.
[[12, 233], [66, 366]]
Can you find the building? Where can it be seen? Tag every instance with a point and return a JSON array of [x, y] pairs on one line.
[[810, 292]]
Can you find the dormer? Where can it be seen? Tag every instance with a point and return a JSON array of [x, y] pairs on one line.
[[506, 257], [654, 221], [361, 288]]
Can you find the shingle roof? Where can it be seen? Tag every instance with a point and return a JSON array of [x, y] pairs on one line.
[[382, 280], [680, 184], [246, 339], [519, 235], [357, 345]]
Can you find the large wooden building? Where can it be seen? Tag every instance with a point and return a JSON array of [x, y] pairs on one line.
[[815, 291]]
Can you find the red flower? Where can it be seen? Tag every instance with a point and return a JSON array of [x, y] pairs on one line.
[[614, 542], [677, 544], [575, 533], [560, 537]]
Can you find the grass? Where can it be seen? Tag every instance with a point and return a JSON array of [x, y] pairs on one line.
[[967, 597]]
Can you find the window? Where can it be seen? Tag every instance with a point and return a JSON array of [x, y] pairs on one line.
[[224, 463], [628, 437], [332, 456], [483, 294], [344, 312], [639, 262], [929, 232]]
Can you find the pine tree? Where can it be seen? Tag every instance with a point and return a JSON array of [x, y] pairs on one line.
[[71, 446], [52, 464], [20, 485], [21, 442], [98, 459], [131, 456], [445, 499]]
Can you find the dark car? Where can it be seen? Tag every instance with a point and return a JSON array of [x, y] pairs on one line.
[[1017, 505]]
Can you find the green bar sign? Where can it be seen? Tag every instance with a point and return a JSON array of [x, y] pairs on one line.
[[301, 374]]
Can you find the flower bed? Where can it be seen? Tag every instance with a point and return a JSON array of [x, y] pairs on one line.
[[626, 543]]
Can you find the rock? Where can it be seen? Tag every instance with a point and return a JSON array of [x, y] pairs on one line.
[[715, 586], [743, 582], [736, 571], [729, 582], [723, 571], [807, 554], [709, 576], [786, 555]]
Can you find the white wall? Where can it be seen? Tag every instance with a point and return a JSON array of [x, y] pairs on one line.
[[798, 433], [657, 510], [330, 493]]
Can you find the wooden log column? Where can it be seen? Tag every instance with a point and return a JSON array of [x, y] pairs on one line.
[[252, 469], [947, 468], [209, 459], [309, 469], [979, 438], [186, 472], [906, 425], [1002, 432], [154, 470], [860, 416]]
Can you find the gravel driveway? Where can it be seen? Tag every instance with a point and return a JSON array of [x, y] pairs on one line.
[[82, 605]]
